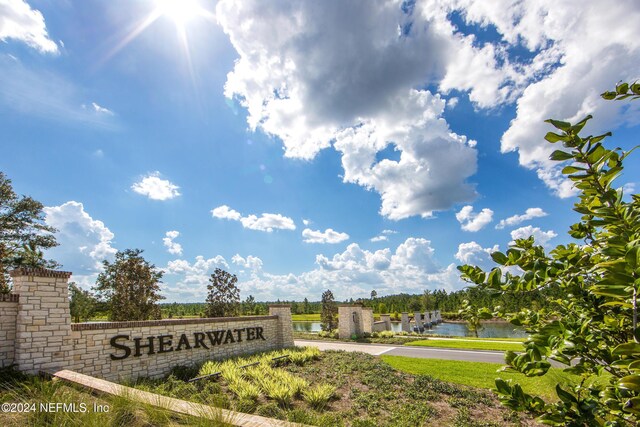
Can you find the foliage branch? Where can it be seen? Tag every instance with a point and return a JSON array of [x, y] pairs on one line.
[[591, 327]]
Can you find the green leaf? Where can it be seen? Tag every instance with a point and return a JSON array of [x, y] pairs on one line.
[[608, 95], [578, 126], [560, 155], [499, 258], [632, 257], [630, 382], [502, 386], [564, 126], [565, 396], [627, 349], [622, 88], [553, 137], [632, 405], [572, 169]]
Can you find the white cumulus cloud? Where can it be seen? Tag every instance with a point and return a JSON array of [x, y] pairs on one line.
[[19, 21], [190, 279], [251, 262], [474, 254], [360, 86], [517, 219], [327, 236], [351, 273], [540, 237], [380, 238], [84, 242], [355, 85], [156, 188], [168, 241], [265, 222], [474, 221]]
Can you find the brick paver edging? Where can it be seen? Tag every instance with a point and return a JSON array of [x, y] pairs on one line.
[[169, 403]]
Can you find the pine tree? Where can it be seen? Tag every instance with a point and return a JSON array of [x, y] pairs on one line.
[[22, 228], [223, 299], [130, 286], [329, 316]]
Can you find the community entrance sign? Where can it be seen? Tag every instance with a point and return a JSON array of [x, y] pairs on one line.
[[36, 334]]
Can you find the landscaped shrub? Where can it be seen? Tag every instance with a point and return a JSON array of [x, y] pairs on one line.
[[271, 410], [318, 397], [209, 368], [245, 390], [386, 334], [281, 393]]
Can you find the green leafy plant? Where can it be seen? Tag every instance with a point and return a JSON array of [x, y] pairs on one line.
[[318, 397], [592, 325], [245, 390], [474, 316]]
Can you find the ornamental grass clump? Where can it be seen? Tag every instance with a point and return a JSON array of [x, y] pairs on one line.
[[245, 390], [281, 393], [301, 357], [231, 373], [209, 368], [318, 397]]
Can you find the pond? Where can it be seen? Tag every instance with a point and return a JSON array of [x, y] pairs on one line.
[[491, 330]]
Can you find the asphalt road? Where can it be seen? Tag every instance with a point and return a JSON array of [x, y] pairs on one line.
[[417, 352]]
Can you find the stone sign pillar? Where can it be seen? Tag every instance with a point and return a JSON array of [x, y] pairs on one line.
[[351, 320], [417, 317], [405, 322], [8, 315], [386, 318], [43, 324], [367, 320], [285, 324]]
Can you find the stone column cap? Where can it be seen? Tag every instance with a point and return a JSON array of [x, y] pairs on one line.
[[39, 272], [350, 305]]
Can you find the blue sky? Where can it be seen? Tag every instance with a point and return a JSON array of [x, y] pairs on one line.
[[305, 145]]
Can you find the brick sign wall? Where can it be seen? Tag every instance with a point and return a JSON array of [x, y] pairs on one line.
[[37, 334], [150, 349]]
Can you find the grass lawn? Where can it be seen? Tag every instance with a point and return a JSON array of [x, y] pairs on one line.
[[470, 345], [484, 339], [480, 374]]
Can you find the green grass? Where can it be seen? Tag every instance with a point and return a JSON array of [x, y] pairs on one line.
[[470, 345], [480, 374]]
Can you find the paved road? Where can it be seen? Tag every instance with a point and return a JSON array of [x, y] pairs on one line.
[[418, 352]]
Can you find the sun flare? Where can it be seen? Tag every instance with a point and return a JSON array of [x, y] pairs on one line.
[[180, 11]]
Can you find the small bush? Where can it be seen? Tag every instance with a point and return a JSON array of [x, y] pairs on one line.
[[208, 368], [386, 334], [271, 410], [318, 396], [184, 373], [281, 393], [246, 405], [245, 390]]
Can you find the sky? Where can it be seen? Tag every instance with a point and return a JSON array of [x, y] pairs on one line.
[[304, 146]]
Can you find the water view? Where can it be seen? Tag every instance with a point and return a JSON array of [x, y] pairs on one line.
[[491, 330]]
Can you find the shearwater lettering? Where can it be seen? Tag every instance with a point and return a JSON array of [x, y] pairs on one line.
[[165, 343]]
